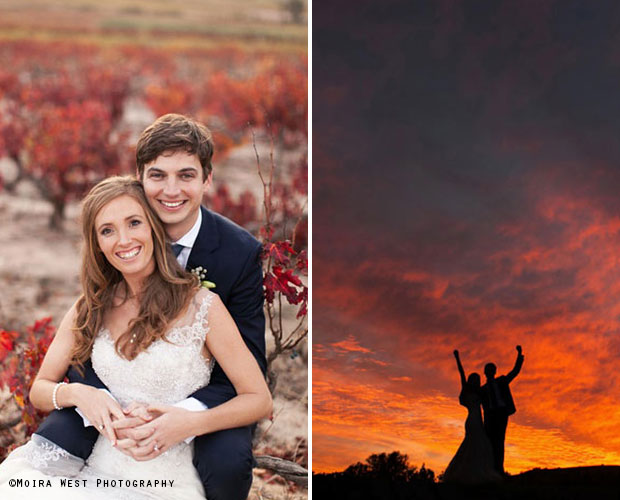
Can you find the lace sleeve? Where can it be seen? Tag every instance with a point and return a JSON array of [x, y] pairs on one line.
[[198, 327], [204, 298]]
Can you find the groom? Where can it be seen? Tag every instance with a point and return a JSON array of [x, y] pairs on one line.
[[173, 159], [498, 405]]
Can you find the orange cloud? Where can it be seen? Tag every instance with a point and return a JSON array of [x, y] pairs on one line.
[[350, 344], [552, 286]]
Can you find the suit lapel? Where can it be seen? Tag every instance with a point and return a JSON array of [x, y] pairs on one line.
[[206, 243]]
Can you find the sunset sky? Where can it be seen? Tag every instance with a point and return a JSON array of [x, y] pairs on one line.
[[466, 194]]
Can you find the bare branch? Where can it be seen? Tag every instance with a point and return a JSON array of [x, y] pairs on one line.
[[280, 314], [299, 339], [285, 468]]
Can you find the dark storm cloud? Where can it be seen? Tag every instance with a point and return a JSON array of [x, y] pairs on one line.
[[410, 130]]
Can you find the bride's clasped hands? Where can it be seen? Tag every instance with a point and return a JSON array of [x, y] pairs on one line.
[[145, 431]]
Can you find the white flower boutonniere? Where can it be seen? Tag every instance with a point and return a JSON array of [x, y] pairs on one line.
[[201, 274]]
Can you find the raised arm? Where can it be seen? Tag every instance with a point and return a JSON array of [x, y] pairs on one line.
[[518, 364], [97, 406], [460, 367]]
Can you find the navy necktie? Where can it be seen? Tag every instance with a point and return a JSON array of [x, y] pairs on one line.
[[176, 248]]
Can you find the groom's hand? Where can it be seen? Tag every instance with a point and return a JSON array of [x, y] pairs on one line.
[[171, 426], [131, 428], [135, 409], [127, 428], [136, 415]]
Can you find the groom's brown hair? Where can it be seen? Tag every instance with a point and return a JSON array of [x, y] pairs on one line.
[[171, 133]]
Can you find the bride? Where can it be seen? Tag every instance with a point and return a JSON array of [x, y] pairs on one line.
[[152, 335], [473, 462]]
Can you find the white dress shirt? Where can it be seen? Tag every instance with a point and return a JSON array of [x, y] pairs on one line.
[[188, 240]]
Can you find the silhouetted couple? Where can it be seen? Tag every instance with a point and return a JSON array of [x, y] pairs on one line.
[[480, 458]]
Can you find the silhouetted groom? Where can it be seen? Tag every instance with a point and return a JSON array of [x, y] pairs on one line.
[[498, 406]]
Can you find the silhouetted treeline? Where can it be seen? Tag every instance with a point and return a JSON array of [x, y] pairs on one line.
[[382, 476], [389, 476]]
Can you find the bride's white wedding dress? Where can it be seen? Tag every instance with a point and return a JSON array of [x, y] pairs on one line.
[[473, 462], [165, 373]]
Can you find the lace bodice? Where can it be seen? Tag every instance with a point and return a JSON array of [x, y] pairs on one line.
[[166, 372]]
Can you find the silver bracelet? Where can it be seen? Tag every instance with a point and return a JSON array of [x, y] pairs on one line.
[[54, 395]]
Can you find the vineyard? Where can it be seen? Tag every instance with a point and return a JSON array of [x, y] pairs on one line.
[[70, 113]]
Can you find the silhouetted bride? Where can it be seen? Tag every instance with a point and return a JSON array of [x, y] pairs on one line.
[[473, 462]]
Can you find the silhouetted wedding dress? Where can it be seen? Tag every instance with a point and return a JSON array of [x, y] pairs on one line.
[[165, 373], [473, 462]]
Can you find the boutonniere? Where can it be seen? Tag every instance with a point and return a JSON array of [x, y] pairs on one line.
[[201, 274]]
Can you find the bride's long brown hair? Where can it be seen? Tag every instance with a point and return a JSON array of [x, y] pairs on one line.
[[165, 293]]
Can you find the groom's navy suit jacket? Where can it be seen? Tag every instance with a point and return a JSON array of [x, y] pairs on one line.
[[231, 257]]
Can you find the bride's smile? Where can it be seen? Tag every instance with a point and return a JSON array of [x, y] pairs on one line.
[[125, 237]]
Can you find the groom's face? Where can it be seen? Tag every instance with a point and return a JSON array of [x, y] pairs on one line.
[[174, 187]]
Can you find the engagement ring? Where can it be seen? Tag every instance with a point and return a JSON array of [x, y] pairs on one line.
[[156, 448]]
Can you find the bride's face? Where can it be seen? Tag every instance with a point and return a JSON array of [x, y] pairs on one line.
[[125, 237]]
